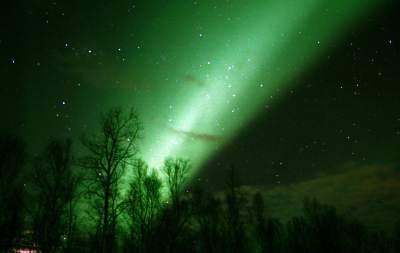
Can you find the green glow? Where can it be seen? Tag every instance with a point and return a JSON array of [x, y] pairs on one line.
[[246, 55]]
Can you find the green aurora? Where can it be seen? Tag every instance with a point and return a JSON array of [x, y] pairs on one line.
[[205, 75], [228, 66]]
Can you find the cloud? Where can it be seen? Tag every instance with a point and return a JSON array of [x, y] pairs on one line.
[[194, 80], [371, 194], [194, 135]]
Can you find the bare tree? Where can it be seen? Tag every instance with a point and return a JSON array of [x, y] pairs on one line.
[[354, 236], [176, 176], [109, 149], [173, 224], [323, 225], [267, 231], [95, 213], [13, 157], [73, 191], [297, 236], [318, 231], [234, 219], [207, 213], [144, 206], [52, 193]]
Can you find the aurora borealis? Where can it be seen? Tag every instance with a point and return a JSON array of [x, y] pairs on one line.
[[287, 91]]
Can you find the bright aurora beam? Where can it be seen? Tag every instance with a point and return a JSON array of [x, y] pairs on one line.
[[236, 68]]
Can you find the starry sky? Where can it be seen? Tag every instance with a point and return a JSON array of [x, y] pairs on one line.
[[301, 96]]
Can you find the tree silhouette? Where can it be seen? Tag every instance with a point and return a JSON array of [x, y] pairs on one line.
[[52, 193], [13, 157], [396, 239], [71, 213], [323, 225], [380, 242], [267, 231], [354, 236], [260, 222], [318, 231], [207, 213], [173, 220], [297, 235], [109, 150], [143, 208], [234, 218]]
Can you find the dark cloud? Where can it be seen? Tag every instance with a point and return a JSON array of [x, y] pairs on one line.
[[194, 80], [371, 194], [198, 136]]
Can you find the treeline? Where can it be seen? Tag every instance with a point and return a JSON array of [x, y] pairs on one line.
[[109, 200]]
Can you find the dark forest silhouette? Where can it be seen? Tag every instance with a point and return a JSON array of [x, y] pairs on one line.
[[111, 201]]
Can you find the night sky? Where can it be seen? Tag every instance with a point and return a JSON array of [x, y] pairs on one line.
[[301, 96]]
